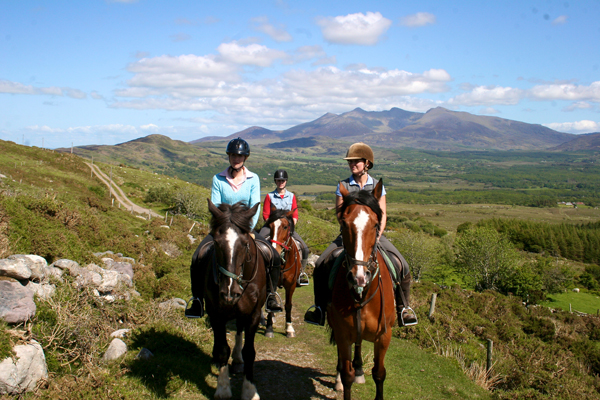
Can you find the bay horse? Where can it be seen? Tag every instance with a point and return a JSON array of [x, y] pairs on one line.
[[363, 302], [234, 288], [281, 225]]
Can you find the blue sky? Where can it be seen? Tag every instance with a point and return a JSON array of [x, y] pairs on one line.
[[106, 72]]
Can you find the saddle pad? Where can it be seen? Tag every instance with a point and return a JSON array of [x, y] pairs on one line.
[[340, 259]]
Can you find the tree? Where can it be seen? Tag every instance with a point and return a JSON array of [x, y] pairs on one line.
[[420, 250], [484, 256]]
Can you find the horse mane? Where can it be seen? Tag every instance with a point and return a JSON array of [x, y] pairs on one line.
[[233, 214], [276, 214], [364, 198]]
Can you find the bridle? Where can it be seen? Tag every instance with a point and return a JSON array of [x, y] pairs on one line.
[[218, 269], [286, 248]]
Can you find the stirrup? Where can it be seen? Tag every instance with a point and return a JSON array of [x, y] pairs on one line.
[[304, 276], [321, 321], [267, 303], [190, 304], [413, 313]]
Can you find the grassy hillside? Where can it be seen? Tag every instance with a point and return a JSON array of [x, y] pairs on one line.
[[51, 205]]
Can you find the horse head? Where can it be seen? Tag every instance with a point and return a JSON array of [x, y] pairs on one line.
[[234, 259], [360, 220], [281, 226]]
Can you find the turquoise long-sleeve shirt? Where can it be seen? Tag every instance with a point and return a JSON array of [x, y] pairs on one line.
[[249, 192]]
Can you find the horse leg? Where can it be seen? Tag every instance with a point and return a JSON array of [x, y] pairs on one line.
[[379, 371], [289, 292], [346, 371], [269, 328], [237, 364], [221, 353], [249, 354], [357, 363]]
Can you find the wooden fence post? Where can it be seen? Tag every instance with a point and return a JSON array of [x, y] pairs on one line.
[[490, 346], [432, 306]]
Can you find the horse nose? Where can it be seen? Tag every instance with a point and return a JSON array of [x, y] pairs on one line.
[[229, 297]]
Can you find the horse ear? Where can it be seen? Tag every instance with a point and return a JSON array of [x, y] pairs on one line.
[[378, 189], [273, 208], [343, 190], [253, 210], [213, 209], [290, 214]]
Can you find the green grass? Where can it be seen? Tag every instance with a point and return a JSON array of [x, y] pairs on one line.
[[584, 302]]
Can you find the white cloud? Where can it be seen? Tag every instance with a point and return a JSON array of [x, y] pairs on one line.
[[489, 111], [180, 37], [488, 95], [95, 95], [360, 29], [418, 19], [253, 54], [579, 105], [277, 33], [584, 126], [560, 20], [566, 91], [19, 88]]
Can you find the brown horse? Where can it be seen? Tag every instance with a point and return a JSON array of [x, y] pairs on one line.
[[234, 288], [362, 306], [281, 225]]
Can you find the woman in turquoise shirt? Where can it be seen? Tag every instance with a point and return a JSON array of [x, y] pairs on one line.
[[235, 184]]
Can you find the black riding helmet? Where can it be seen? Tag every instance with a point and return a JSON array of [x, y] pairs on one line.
[[238, 146], [280, 174]]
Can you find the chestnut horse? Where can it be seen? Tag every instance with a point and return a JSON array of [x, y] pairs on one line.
[[281, 225], [363, 303], [234, 288]]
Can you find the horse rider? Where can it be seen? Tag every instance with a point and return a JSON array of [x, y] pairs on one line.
[[235, 184], [360, 160], [283, 199]]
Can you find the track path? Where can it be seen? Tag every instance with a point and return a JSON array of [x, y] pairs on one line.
[[118, 193]]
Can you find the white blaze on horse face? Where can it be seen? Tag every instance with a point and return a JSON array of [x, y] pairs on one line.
[[231, 236], [276, 226], [360, 223]]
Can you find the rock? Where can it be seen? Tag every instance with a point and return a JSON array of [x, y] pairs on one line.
[[120, 333], [16, 302], [175, 302], [122, 267], [576, 290], [36, 264], [24, 374], [116, 349], [15, 269], [191, 239], [312, 259], [144, 354], [128, 260], [43, 291], [68, 265], [88, 277], [53, 272], [99, 255]]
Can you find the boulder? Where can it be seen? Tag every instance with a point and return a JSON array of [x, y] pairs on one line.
[[14, 269], [16, 302], [144, 354], [120, 333], [25, 371], [116, 349], [173, 303], [41, 290], [36, 264], [67, 265], [123, 267]]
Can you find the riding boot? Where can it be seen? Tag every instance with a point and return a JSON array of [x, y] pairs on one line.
[[406, 315], [303, 278], [196, 308], [316, 314], [273, 300]]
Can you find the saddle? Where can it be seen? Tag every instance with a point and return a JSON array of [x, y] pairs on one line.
[[266, 251]]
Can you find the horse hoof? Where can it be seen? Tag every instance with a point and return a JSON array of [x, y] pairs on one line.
[[291, 334], [359, 379], [237, 368], [269, 335]]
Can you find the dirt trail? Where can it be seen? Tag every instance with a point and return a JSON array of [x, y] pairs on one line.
[[119, 195]]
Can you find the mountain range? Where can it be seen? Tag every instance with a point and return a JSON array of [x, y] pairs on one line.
[[436, 129]]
